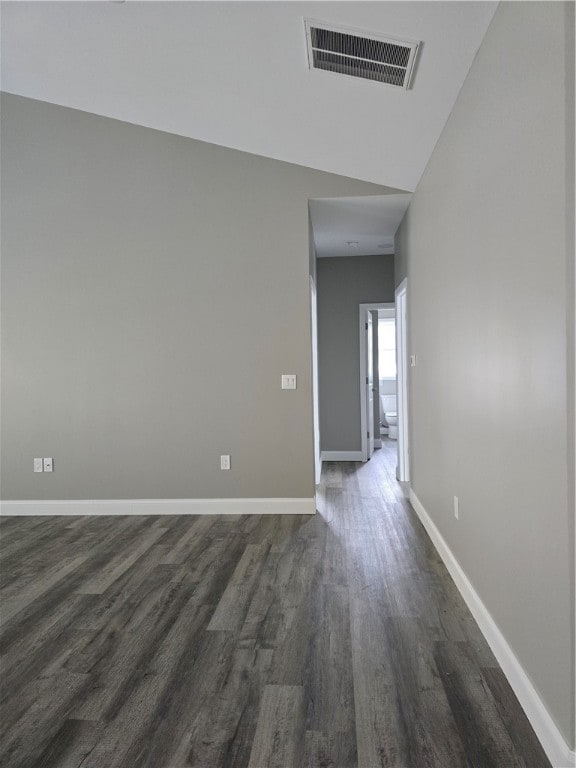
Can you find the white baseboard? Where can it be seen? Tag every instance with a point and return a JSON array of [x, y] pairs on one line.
[[558, 752], [342, 456], [162, 507], [377, 443]]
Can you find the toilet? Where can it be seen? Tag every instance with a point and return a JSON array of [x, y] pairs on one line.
[[389, 416]]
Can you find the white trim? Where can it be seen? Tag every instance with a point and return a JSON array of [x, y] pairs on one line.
[[162, 507], [314, 382], [377, 442], [552, 741], [401, 296], [363, 368], [342, 456]]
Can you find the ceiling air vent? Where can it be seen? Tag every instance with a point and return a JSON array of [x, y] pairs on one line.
[[360, 54]]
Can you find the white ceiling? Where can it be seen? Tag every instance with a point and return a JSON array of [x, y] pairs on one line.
[[371, 222], [235, 74]]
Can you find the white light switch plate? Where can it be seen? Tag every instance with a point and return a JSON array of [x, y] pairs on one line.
[[38, 465], [225, 461], [48, 465], [288, 381]]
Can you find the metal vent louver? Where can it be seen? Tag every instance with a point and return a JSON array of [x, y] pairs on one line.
[[359, 54]]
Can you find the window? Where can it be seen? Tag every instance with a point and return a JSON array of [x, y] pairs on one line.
[[387, 348]]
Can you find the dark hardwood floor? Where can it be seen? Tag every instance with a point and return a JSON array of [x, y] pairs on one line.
[[259, 641]]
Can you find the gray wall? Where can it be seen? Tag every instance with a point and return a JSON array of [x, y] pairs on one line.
[[343, 284], [154, 290], [487, 244]]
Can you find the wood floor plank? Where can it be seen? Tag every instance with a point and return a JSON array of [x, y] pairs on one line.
[[12, 528], [14, 708], [94, 646], [317, 751], [26, 740], [424, 706], [21, 548], [159, 705], [49, 615], [196, 673], [71, 745], [120, 671], [212, 740], [279, 738], [380, 736], [125, 593], [125, 731], [333, 475], [32, 651], [116, 567], [263, 618], [64, 541], [292, 630], [191, 542], [101, 551], [514, 718], [239, 747], [483, 733], [233, 605], [17, 598], [330, 684]]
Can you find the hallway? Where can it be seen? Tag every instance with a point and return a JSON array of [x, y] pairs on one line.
[[263, 641], [427, 689]]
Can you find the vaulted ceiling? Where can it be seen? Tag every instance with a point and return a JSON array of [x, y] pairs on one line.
[[236, 74]]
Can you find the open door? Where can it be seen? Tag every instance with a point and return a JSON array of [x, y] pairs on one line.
[[369, 415]]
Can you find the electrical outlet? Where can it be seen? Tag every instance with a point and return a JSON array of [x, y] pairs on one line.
[[412, 361], [288, 381], [38, 465], [456, 508], [225, 461], [48, 465]]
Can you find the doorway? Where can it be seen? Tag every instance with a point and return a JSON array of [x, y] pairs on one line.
[[369, 392]]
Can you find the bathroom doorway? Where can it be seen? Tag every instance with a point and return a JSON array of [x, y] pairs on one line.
[[387, 375], [370, 382]]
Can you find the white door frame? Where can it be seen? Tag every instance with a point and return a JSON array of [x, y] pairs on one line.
[[363, 308], [403, 471], [315, 403], [369, 388]]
